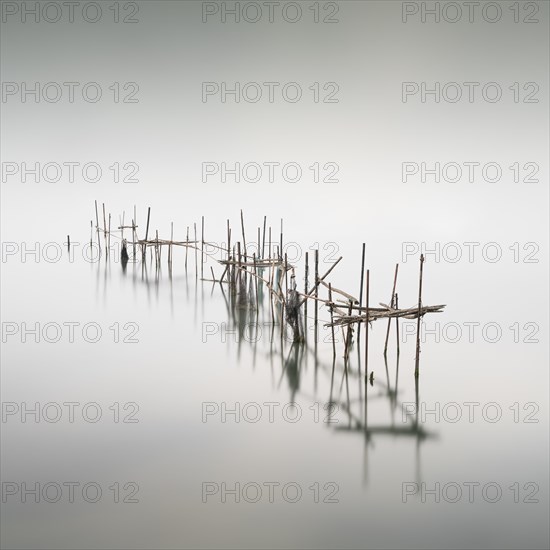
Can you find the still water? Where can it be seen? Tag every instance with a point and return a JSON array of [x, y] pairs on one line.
[[184, 421]]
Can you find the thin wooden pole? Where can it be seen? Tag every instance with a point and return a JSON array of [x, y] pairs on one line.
[[286, 276], [105, 229], [157, 251], [202, 247], [256, 281], [244, 237], [97, 227], [196, 252], [397, 323], [332, 321], [316, 289], [186, 247], [239, 264], [263, 239], [281, 241], [171, 240], [417, 359], [148, 218], [361, 289], [231, 268], [305, 290], [367, 330], [392, 304]]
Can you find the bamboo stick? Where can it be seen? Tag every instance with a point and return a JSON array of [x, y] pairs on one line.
[[202, 247], [367, 332], [105, 230], [332, 324], [97, 227], [361, 287], [263, 239], [313, 294], [256, 281], [392, 301], [196, 252], [397, 324], [417, 359], [316, 313], [305, 290]]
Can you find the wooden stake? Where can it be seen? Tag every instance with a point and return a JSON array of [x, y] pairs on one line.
[[367, 331], [331, 321], [97, 227], [228, 251], [196, 252], [281, 241], [105, 229], [147, 228], [316, 282], [392, 304], [256, 280], [361, 290], [305, 290], [417, 359], [244, 237], [263, 239], [397, 323], [202, 247], [186, 247], [171, 239]]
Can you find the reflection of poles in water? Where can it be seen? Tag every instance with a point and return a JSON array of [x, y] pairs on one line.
[[291, 368], [417, 450], [124, 255]]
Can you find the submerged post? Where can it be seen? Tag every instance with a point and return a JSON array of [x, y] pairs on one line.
[[417, 360]]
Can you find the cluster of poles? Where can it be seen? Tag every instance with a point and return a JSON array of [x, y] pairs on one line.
[[246, 272]]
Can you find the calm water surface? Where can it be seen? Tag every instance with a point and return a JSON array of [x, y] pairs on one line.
[[211, 402]]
